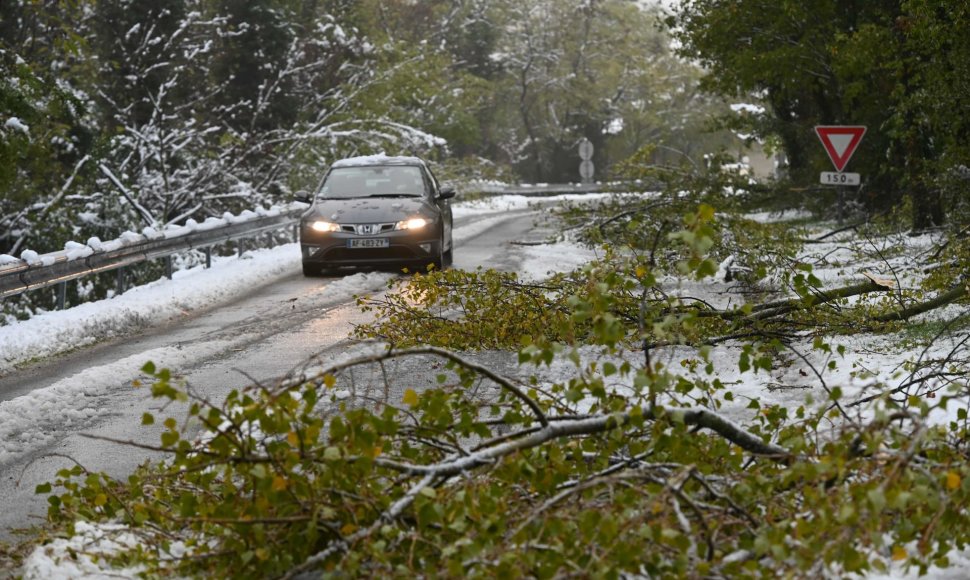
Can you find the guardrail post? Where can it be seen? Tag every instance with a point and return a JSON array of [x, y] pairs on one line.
[[61, 295], [168, 267], [121, 282], [208, 258]]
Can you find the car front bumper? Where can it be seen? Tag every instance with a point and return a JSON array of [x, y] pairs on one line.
[[332, 249]]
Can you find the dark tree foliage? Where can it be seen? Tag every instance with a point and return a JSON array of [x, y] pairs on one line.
[[123, 38], [43, 137], [887, 65], [257, 34]]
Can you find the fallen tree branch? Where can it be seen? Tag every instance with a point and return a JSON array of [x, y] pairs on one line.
[[601, 225], [443, 353], [341, 544], [956, 292], [942, 247], [784, 306], [851, 226], [771, 310], [454, 466], [903, 387]]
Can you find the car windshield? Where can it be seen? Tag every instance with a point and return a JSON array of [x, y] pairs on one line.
[[373, 181]]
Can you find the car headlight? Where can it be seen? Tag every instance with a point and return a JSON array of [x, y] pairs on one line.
[[325, 227], [411, 224]]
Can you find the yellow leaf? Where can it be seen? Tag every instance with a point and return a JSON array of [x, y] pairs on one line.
[[641, 271], [330, 381], [410, 397], [279, 483], [348, 529], [953, 480], [293, 439], [100, 499], [899, 553]]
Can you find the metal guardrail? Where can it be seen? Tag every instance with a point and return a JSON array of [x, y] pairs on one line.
[[58, 268]]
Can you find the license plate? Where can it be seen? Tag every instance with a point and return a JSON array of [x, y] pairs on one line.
[[368, 243]]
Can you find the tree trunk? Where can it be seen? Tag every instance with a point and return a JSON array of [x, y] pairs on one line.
[[927, 206]]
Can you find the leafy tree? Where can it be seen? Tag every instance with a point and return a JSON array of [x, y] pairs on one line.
[[132, 40], [45, 144], [937, 108], [594, 70], [887, 65], [253, 36]]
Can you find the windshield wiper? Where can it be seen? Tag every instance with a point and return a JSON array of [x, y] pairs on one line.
[[394, 195]]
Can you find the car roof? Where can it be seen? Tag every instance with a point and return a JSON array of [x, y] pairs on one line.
[[379, 159]]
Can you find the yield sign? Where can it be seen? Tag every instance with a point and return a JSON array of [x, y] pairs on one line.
[[840, 141]]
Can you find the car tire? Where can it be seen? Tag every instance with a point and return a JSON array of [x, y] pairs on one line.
[[441, 260], [449, 256], [311, 270]]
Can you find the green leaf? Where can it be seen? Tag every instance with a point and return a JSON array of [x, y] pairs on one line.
[[877, 499], [411, 398], [169, 438]]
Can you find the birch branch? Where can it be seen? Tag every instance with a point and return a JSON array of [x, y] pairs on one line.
[[145, 214]]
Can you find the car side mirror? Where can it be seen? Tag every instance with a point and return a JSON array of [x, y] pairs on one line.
[[303, 196], [447, 192]]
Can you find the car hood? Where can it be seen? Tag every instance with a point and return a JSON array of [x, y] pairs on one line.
[[370, 210]]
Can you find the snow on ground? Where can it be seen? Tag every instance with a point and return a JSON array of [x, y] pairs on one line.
[[79, 556], [51, 333], [959, 570], [32, 421], [540, 262], [505, 203]]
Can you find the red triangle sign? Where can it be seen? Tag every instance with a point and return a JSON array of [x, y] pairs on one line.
[[840, 142]]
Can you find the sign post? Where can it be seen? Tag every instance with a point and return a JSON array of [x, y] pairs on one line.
[[840, 142], [586, 168]]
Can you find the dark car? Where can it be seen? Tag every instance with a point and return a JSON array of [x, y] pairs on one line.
[[377, 211]]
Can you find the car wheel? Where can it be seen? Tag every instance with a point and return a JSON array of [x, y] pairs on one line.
[[449, 256], [311, 270], [441, 259]]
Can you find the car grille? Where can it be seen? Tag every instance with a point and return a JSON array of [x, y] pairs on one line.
[[366, 229]]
